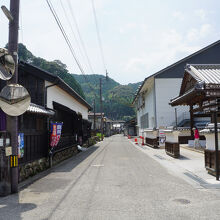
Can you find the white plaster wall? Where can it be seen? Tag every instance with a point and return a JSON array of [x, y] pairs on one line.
[[58, 95], [210, 141], [167, 89], [148, 108]]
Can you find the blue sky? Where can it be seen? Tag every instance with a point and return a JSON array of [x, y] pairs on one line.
[[139, 37]]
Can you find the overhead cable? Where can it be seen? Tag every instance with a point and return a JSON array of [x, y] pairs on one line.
[[98, 35], [80, 37], [73, 32], [67, 41]]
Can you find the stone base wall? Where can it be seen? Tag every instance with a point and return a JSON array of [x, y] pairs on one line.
[[64, 154], [91, 141], [31, 169], [37, 166]]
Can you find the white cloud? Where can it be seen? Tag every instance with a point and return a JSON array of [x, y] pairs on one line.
[[170, 47], [179, 15], [128, 27], [199, 33], [201, 13], [133, 26], [205, 30]]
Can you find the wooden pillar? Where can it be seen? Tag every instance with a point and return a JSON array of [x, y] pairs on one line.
[[191, 120]]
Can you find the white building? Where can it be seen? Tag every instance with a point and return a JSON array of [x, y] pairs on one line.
[[153, 97]]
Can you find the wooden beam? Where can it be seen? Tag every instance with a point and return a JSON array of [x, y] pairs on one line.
[[191, 119]]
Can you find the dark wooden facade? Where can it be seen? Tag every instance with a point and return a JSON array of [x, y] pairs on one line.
[[36, 126], [33, 125], [210, 161], [152, 142], [172, 149]]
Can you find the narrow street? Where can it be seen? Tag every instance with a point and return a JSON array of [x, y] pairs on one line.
[[113, 180]]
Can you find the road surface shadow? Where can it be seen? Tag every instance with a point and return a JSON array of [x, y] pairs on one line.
[[70, 164], [11, 208], [183, 158]]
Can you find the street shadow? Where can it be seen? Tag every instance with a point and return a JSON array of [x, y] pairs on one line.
[[12, 208], [183, 158], [70, 164]]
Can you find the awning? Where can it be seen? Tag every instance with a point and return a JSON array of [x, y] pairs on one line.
[[187, 97], [38, 109]]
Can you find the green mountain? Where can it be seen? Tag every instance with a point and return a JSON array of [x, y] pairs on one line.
[[117, 98], [55, 67]]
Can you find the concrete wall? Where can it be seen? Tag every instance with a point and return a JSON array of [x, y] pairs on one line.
[[58, 95], [167, 89]]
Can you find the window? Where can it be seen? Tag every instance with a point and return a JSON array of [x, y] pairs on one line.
[[144, 121]]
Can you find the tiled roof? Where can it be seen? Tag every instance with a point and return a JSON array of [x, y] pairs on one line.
[[34, 108], [209, 74], [53, 79]]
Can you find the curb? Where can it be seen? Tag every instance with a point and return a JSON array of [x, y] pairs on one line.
[[192, 149]]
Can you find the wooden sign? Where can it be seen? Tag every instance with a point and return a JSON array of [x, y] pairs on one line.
[[212, 93]]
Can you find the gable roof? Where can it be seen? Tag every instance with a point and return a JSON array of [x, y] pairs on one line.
[[206, 76], [38, 72], [209, 74], [207, 55]]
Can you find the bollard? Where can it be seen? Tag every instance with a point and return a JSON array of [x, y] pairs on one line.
[[142, 141], [136, 141]]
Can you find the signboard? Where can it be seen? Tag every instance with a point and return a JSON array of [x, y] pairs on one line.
[[211, 106], [8, 151], [162, 138], [212, 86], [56, 129], [212, 93], [20, 145]]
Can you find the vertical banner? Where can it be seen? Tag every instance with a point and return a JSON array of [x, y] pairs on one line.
[[56, 129], [20, 145]]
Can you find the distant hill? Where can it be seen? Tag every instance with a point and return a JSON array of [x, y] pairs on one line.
[[117, 98], [56, 67], [93, 80]]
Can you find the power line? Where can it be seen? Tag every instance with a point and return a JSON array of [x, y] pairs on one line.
[[71, 27], [80, 37], [67, 40], [98, 35], [64, 35]]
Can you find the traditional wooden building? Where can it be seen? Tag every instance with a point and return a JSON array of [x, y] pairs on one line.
[[130, 127], [153, 97], [52, 100], [200, 90]]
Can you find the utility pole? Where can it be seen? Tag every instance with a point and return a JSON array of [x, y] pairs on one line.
[[176, 116], [94, 125], [100, 90], [216, 146], [12, 121]]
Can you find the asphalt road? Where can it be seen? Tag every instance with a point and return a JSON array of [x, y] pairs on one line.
[[113, 180]]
